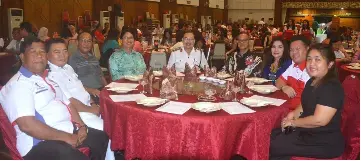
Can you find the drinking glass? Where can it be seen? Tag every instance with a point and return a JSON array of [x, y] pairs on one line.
[[236, 89], [143, 82], [209, 91]]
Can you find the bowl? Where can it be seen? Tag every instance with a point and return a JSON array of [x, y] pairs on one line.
[[202, 77]]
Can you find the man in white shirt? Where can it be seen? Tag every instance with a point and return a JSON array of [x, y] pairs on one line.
[[187, 54], [14, 45], [64, 75], [47, 126], [261, 22]]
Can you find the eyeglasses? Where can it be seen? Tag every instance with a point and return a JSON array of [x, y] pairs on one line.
[[295, 49], [188, 39], [128, 38], [86, 41], [242, 40]]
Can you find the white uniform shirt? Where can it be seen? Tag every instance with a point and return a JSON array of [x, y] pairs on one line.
[[27, 94], [181, 57], [69, 83], [14, 45]]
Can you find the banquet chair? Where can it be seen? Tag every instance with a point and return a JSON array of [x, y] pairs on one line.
[[158, 60], [96, 51], [9, 136], [288, 34], [219, 50], [72, 47], [350, 123]]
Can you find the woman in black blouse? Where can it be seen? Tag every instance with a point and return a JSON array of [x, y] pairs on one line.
[[316, 122]]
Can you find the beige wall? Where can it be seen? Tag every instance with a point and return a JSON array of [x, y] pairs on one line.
[[252, 9]]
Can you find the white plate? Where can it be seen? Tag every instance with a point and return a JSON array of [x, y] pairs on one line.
[[134, 78], [263, 89], [254, 102], [353, 67], [158, 73], [151, 101], [354, 64], [206, 107], [257, 80], [202, 77], [222, 82]]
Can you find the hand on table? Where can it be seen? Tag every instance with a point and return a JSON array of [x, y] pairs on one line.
[[291, 93], [95, 92]]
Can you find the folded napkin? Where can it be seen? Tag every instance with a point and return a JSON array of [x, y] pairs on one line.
[[127, 98], [178, 108], [168, 91], [235, 108], [190, 73]]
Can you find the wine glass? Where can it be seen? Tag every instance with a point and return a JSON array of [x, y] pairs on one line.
[[143, 82], [209, 91], [236, 89]]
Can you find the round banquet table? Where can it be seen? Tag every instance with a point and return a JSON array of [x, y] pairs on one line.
[[148, 134], [343, 72]]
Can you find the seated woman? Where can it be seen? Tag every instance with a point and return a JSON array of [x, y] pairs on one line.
[[126, 61], [277, 61], [317, 120], [112, 40], [167, 38]]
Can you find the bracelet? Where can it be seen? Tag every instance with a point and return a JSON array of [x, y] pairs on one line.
[[86, 127]]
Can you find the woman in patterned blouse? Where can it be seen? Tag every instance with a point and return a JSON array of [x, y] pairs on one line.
[[126, 61]]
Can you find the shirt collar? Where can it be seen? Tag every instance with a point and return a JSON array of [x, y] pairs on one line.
[[25, 72], [54, 67], [302, 65]]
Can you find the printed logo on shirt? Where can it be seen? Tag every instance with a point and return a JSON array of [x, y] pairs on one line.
[[40, 88]]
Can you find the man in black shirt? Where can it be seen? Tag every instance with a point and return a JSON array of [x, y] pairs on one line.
[[243, 58]]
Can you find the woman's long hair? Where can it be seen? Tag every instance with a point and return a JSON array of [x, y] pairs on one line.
[[327, 53], [307, 27], [164, 39], [292, 25], [269, 59]]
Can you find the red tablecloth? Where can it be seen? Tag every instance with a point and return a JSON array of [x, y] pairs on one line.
[[148, 134], [343, 72]]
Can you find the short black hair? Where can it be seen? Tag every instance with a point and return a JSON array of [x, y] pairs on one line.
[[27, 42], [130, 30], [27, 26], [83, 34], [302, 38], [53, 41]]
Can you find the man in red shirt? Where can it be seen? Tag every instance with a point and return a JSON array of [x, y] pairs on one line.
[[293, 80]]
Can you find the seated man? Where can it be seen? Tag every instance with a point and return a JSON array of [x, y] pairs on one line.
[[187, 54], [14, 45], [243, 58], [64, 75], [47, 126], [293, 80], [86, 66], [339, 50]]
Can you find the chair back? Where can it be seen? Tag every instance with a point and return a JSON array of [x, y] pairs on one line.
[[158, 60], [9, 135], [96, 51], [72, 47], [219, 50], [287, 35], [251, 44], [307, 34], [350, 124]]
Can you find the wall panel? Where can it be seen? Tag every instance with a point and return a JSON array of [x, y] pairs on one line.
[[48, 13]]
